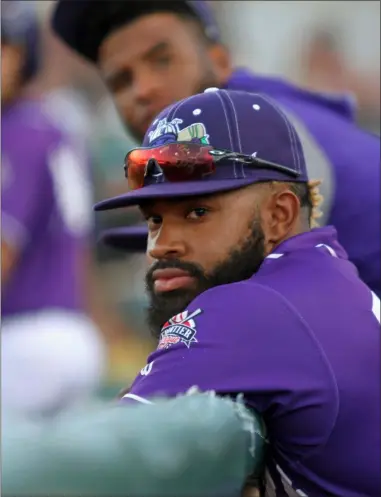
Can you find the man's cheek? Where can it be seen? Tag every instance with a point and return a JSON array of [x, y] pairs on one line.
[[151, 244], [149, 260], [125, 108]]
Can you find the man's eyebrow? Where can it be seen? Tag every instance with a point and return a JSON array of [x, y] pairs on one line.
[[113, 76], [156, 49]]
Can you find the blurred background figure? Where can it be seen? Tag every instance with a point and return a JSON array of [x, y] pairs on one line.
[[52, 350], [72, 87], [325, 68], [331, 47]]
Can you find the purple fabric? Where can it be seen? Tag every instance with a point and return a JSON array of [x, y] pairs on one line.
[[46, 273], [300, 341], [136, 241], [170, 190], [131, 238], [245, 123]]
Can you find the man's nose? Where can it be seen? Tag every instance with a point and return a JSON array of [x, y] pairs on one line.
[[146, 87], [167, 243]]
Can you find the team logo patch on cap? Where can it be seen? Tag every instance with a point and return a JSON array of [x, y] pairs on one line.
[[171, 131], [179, 329]]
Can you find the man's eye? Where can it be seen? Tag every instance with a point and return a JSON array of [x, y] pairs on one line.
[[153, 221], [197, 213], [120, 82]]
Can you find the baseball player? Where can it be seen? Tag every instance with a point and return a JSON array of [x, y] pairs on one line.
[[51, 352], [247, 297], [153, 53]]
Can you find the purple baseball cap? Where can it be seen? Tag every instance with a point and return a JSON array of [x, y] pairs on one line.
[[128, 239], [71, 18], [244, 123]]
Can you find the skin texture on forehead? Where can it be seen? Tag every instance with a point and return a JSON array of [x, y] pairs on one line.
[[156, 60]]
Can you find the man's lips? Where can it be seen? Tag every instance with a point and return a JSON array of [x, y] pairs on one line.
[[166, 280]]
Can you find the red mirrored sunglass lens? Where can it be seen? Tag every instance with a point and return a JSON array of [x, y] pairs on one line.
[[178, 162]]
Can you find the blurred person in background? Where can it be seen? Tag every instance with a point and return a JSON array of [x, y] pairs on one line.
[[325, 68], [70, 89], [151, 54], [52, 353]]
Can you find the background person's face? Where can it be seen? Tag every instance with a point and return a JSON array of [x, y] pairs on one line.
[[11, 71], [153, 62]]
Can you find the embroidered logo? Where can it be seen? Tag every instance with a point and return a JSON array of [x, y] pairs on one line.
[[179, 329], [170, 131]]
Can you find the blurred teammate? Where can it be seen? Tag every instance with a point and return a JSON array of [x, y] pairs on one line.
[[151, 54], [51, 353], [246, 298]]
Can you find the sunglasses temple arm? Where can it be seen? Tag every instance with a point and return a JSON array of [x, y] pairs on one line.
[[253, 162], [276, 167]]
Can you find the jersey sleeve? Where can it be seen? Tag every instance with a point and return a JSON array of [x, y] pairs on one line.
[[243, 339], [47, 172], [25, 189], [69, 168]]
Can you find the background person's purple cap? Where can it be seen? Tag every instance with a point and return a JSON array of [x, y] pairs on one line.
[[241, 122], [128, 238], [72, 20]]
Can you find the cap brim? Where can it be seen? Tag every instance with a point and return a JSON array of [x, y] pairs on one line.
[[173, 190], [128, 239]]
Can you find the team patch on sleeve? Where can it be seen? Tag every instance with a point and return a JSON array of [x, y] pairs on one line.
[[179, 329]]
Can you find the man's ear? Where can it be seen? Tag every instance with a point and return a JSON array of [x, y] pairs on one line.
[[282, 216], [221, 60]]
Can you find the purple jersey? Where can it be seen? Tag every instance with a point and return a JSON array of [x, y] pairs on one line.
[[46, 211], [301, 341], [348, 159]]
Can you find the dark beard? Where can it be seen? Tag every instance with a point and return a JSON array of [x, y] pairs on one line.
[[240, 265]]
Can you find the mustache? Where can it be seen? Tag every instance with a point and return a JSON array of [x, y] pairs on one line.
[[193, 269]]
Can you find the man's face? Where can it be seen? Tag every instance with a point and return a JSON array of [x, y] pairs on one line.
[[153, 62], [11, 71], [196, 244]]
